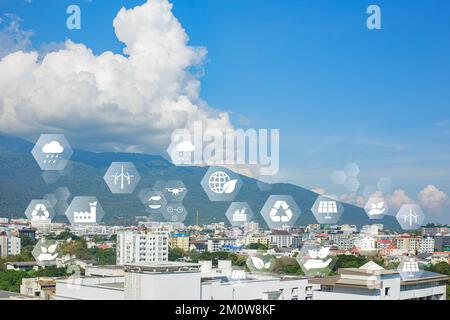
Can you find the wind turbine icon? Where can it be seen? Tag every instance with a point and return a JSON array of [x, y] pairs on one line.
[[412, 216], [122, 176]]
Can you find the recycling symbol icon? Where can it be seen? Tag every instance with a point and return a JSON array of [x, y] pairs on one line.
[[281, 212], [40, 212]]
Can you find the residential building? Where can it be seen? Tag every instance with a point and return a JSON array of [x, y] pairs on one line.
[[43, 287], [251, 227], [426, 245], [372, 282], [435, 230], [442, 243], [134, 247], [180, 241], [345, 242], [260, 239], [9, 245], [407, 243], [280, 239], [221, 244]]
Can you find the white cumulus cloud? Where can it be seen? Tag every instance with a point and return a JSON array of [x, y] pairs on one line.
[[432, 198], [127, 102]]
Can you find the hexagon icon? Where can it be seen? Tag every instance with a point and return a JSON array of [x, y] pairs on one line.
[[40, 211], [261, 262], [279, 211], [85, 210], [154, 201], [327, 210], [45, 252], [174, 212], [376, 207], [52, 152], [239, 213], [122, 177], [174, 190], [410, 216], [409, 268], [221, 184], [316, 260]]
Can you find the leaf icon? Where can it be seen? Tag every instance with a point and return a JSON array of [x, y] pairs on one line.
[[44, 249], [52, 248], [257, 262], [229, 186]]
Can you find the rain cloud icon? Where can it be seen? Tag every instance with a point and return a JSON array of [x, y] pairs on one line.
[[52, 151]]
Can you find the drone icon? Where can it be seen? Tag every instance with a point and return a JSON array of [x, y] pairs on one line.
[[175, 191]]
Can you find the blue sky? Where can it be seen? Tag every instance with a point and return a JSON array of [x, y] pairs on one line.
[[338, 92]]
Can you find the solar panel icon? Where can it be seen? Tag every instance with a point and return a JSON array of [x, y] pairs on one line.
[[327, 207]]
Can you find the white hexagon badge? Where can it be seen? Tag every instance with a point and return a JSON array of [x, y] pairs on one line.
[[239, 213], [316, 260], [52, 152], [174, 212], [221, 184], [174, 190], [45, 252], [279, 211], [40, 211], [376, 207], [122, 177], [154, 201], [85, 210], [261, 262], [327, 210], [410, 216]]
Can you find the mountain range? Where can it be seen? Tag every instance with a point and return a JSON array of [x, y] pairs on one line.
[[21, 180]]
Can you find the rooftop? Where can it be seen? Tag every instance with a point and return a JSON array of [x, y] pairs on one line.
[[162, 267]]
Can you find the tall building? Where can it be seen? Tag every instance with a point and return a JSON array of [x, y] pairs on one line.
[[9, 245], [281, 239], [133, 247], [426, 245], [408, 243], [180, 241]]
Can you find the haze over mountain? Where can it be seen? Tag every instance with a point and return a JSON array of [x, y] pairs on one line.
[[21, 181]]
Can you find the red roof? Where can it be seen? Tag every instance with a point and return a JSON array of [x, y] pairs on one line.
[[384, 241], [103, 246], [355, 250]]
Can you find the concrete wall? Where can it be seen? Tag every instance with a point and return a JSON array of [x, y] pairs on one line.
[[162, 286], [88, 289]]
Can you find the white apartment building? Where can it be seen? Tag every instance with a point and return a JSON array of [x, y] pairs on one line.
[[281, 239], [134, 247], [9, 245], [220, 244], [426, 245], [372, 282]]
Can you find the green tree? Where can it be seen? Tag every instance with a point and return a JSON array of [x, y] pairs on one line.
[[175, 254], [349, 261], [257, 246], [287, 265]]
